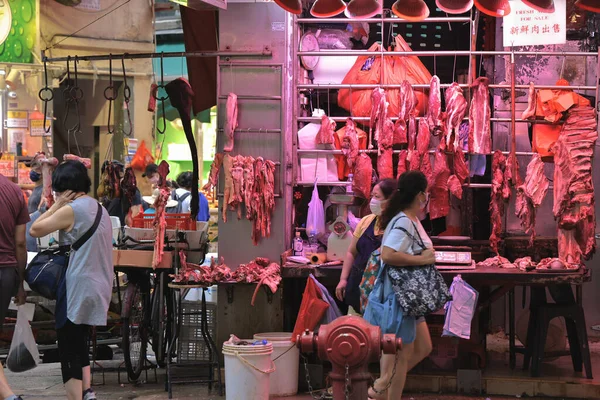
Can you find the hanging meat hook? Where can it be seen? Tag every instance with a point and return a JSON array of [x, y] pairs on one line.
[[161, 98], [76, 97], [110, 95], [67, 95], [46, 95], [126, 98]]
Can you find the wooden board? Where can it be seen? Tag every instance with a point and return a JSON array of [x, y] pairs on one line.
[[139, 259]]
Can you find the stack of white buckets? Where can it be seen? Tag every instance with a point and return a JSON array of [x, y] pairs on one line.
[[263, 370]]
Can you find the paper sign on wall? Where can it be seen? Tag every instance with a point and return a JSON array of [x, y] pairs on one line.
[[525, 26], [17, 119], [7, 166], [24, 175], [36, 127]]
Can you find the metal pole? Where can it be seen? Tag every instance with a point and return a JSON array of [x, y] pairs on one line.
[[394, 20], [513, 122], [430, 53], [179, 54], [426, 86]]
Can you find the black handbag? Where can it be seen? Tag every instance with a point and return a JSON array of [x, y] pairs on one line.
[[420, 290], [46, 271]]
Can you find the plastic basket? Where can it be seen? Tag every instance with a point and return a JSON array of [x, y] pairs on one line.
[[183, 222], [191, 344]]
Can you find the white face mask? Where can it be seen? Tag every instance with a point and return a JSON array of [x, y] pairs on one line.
[[375, 206]]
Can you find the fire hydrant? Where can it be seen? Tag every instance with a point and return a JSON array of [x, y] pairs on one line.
[[350, 344]]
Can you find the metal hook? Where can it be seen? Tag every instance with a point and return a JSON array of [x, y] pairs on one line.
[[162, 99], [46, 95], [110, 95], [126, 97], [562, 68]]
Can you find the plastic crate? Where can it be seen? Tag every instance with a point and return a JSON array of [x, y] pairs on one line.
[[191, 346], [183, 222]]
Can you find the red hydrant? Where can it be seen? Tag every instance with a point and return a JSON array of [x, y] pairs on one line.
[[350, 344]]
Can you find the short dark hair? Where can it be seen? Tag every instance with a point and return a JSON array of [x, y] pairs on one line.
[[184, 180], [410, 184], [71, 175], [151, 169]]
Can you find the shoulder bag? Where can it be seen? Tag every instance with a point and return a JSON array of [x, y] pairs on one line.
[[45, 272], [381, 310], [420, 290]]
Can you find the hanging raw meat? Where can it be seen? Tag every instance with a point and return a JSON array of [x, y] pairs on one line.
[[573, 186], [231, 121], [412, 132], [48, 165], [531, 103], [181, 96], [426, 169], [386, 137], [385, 166], [460, 166], [402, 163], [363, 175], [160, 224], [423, 138], [434, 110], [379, 108], [414, 160], [455, 187], [228, 191], [263, 199], [456, 108], [326, 132], [213, 176], [237, 175], [497, 198], [85, 161], [439, 204], [350, 143], [480, 140], [248, 185], [408, 103], [531, 194]]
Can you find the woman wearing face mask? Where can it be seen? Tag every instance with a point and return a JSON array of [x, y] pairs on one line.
[[367, 238], [36, 195], [402, 245]]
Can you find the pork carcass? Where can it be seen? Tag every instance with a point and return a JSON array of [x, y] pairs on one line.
[[402, 163], [271, 277], [531, 103], [219, 272], [237, 175], [455, 187], [228, 191], [456, 108], [493, 262], [363, 175], [231, 121], [48, 165], [248, 185], [213, 176], [427, 170], [573, 186], [379, 106], [434, 109], [85, 161], [326, 132], [350, 143], [480, 140], [386, 137], [408, 103], [385, 166], [414, 160], [159, 223], [190, 273], [439, 203], [497, 198], [511, 174]]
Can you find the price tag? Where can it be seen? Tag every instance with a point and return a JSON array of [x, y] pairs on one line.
[[23, 177], [7, 168]]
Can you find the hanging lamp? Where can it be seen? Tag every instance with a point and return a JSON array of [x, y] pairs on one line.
[[291, 6], [327, 8], [363, 9], [589, 5], [454, 6], [411, 10], [544, 6], [493, 8]]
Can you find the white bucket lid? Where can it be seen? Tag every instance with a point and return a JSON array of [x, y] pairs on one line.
[[274, 336], [259, 349]]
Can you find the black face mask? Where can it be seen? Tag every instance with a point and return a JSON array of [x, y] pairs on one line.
[[35, 176]]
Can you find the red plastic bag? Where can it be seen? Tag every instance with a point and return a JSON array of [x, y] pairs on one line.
[[312, 310], [142, 158]]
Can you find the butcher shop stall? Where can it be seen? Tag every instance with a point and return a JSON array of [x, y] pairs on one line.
[[495, 104]]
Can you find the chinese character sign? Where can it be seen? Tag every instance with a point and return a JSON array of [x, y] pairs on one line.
[[525, 26]]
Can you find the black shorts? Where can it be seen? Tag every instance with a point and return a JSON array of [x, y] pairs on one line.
[[9, 286], [73, 347]]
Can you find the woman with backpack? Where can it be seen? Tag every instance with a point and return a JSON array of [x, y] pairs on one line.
[[183, 194]]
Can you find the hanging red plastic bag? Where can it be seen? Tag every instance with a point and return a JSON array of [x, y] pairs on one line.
[[312, 310], [142, 158]]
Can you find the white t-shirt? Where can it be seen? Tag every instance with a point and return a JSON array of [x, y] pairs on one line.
[[398, 240], [185, 204]]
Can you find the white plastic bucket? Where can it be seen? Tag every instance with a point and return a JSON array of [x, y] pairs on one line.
[[247, 371], [286, 356]]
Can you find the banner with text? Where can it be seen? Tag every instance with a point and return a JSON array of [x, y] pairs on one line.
[[525, 26]]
